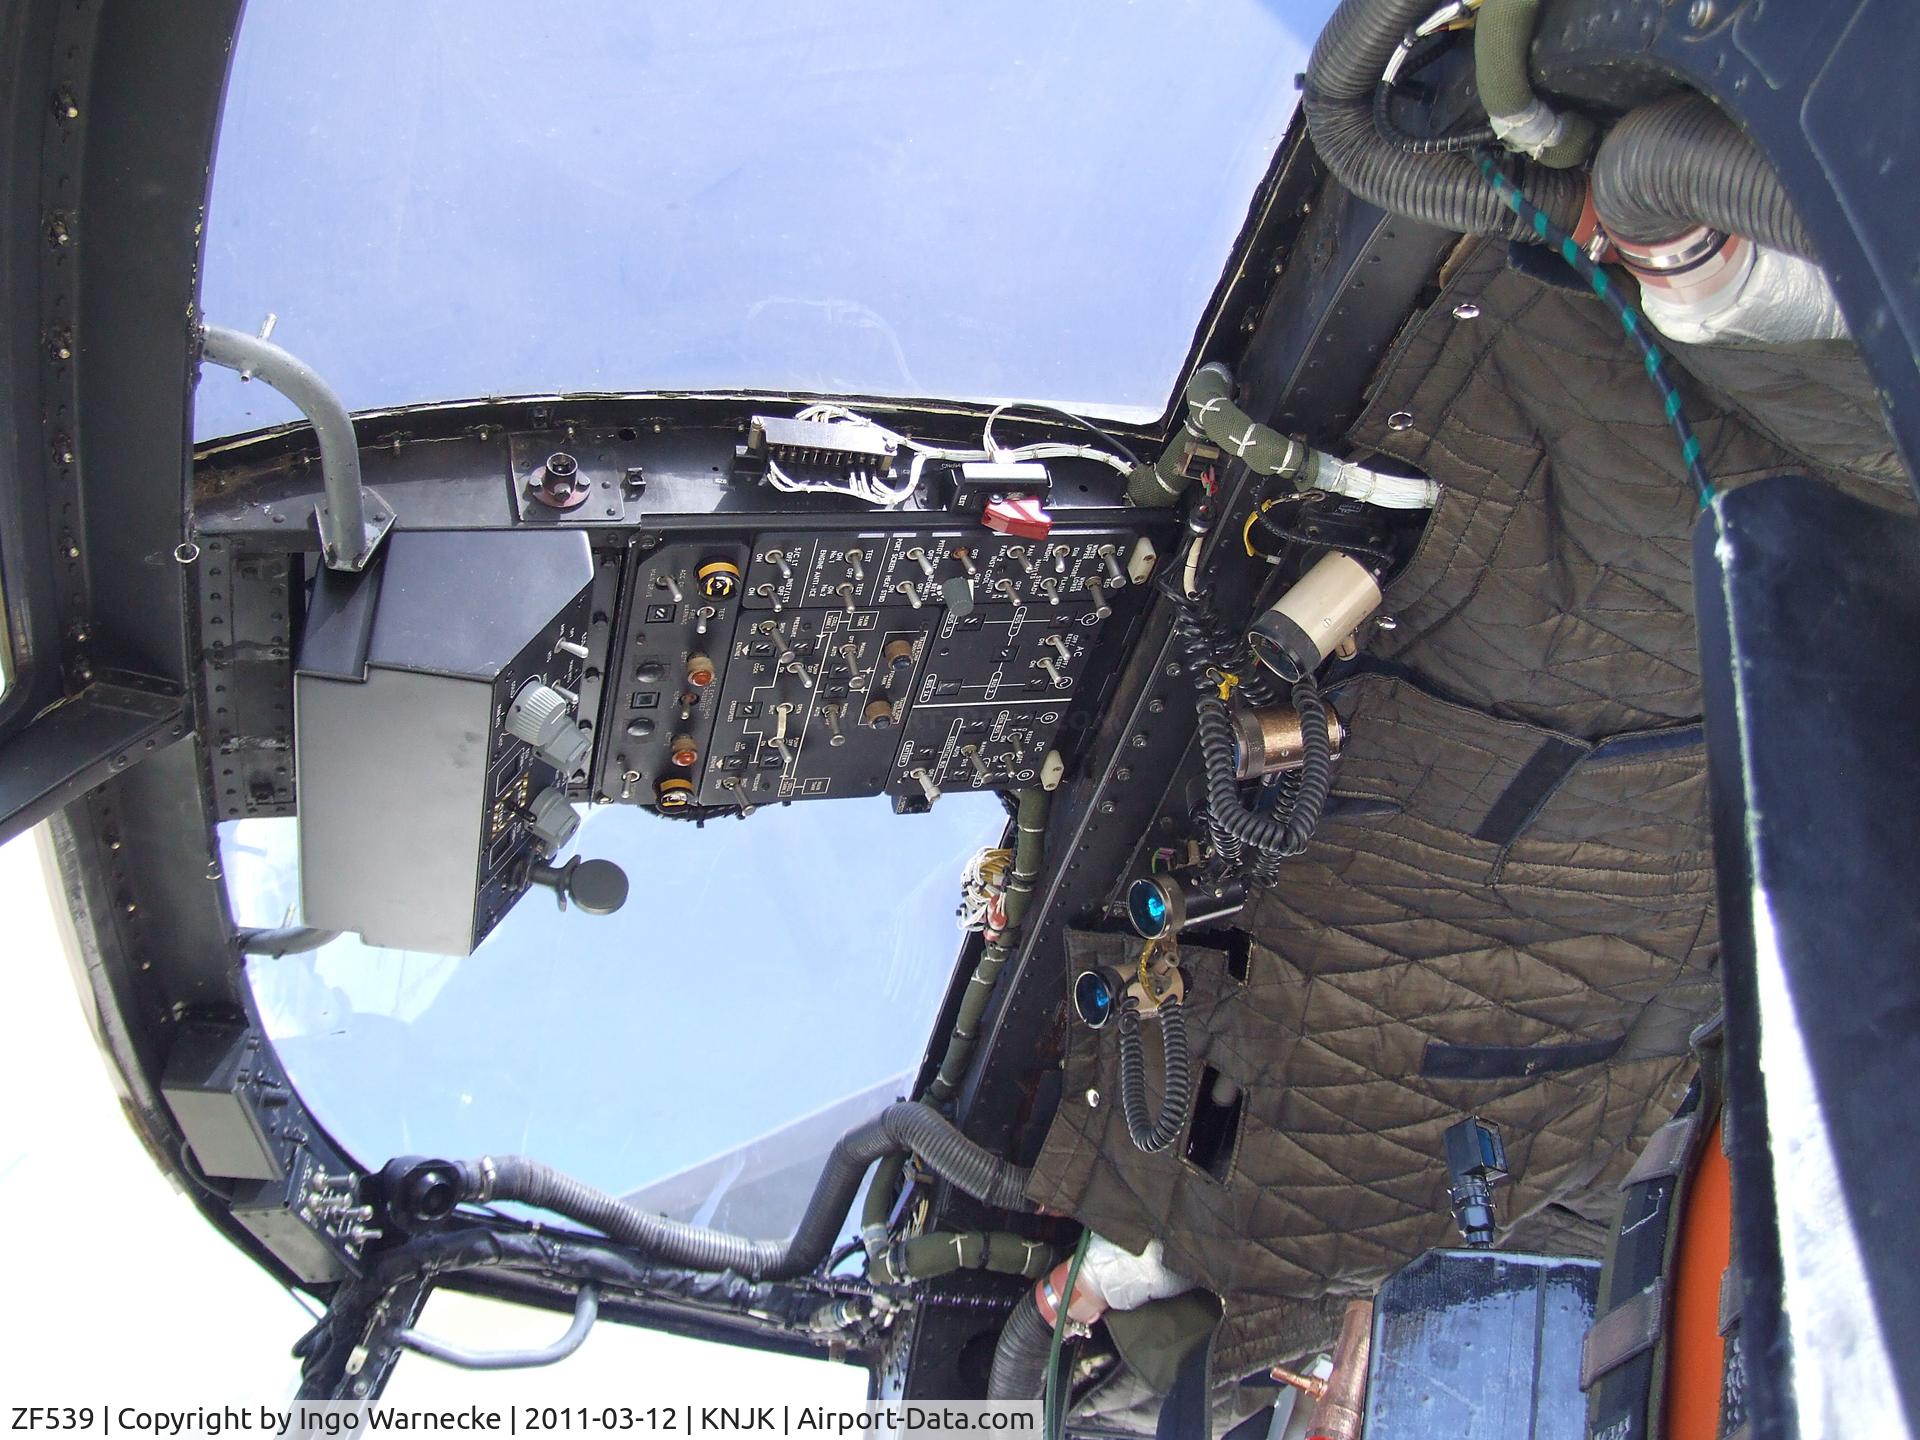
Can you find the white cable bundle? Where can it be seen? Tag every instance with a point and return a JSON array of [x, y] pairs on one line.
[[983, 890], [1391, 492], [871, 488]]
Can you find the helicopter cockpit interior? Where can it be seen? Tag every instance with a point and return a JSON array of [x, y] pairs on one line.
[[1177, 709]]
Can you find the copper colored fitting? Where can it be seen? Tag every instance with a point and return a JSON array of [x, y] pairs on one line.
[[1590, 235], [1339, 1412], [1268, 740], [1311, 1385], [1086, 1306]]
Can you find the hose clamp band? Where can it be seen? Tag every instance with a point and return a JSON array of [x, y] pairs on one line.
[[1673, 257], [489, 1176]]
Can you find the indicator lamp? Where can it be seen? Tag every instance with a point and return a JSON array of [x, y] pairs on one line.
[[717, 578], [1157, 907], [1096, 995]]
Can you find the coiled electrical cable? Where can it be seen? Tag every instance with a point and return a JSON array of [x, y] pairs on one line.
[[1176, 1094], [1276, 833]]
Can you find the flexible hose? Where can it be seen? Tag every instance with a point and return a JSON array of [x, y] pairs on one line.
[[1422, 51], [925, 1257], [1177, 1093], [1440, 190], [1213, 416], [1408, 143], [905, 1126], [1276, 834], [1680, 162], [1020, 1359], [1502, 37], [877, 1214]]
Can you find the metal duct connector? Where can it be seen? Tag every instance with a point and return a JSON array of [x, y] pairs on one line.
[[1709, 288], [1270, 740], [354, 520]]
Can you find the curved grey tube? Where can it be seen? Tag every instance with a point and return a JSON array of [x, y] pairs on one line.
[[1020, 1358], [1681, 162], [907, 1126], [586, 1309], [289, 940], [346, 540]]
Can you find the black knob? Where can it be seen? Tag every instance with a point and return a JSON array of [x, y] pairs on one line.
[[599, 887]]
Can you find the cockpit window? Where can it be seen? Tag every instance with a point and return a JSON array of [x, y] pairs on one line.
[[995, 200], [768, 984]]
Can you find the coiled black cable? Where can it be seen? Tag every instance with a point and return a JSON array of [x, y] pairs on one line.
[[1422, 52], [1177, 1093], [1274, 834]]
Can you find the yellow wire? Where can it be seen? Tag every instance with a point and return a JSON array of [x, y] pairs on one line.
[[1246, 532]]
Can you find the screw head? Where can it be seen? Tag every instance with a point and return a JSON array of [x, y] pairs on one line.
[[1400, 420], [1093, 1098], [1466, 310]]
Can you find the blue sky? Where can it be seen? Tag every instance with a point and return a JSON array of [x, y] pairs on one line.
[[986, 200], [760, 970]]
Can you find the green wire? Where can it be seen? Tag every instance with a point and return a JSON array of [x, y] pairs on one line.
[[1653, 358], [1056, 1407]]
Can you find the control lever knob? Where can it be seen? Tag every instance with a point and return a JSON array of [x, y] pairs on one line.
[[538, 714], [552, 819], [598, 887], [543, 717]]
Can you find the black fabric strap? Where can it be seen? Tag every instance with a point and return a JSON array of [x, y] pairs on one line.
[[1184, 1414], [1528, 790], [1622, 1377], [1729, 1298], [1511, 1062]]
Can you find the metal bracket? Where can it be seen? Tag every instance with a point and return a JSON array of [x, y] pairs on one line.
[[81, 743]]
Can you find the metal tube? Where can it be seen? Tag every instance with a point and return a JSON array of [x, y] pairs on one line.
[[347, 537], [586, 1309], [289, 940], [1339, 1410]]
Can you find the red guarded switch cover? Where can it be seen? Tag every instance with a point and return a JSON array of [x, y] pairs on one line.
[[1024, 517]]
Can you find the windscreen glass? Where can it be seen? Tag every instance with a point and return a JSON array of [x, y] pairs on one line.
[[460, 199], [770, 983]]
